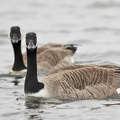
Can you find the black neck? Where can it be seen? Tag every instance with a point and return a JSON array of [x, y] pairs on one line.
[[18, 61], [31, 82]]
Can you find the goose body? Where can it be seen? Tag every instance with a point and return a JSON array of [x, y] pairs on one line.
[[85, 83], [88, 82], [53, 56]]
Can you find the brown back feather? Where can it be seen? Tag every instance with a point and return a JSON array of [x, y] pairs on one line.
[[88, 82], [50, 58], [72, 67], [51, 55]]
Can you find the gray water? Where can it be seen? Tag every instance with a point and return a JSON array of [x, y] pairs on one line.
[[95, 24]]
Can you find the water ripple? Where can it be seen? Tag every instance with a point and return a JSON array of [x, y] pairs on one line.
[[104, 5]]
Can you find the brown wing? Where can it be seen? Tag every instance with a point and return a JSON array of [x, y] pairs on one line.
[[48, 46], [110, 66], [50, 58], [72, 67], [51, 55], [87, 83]]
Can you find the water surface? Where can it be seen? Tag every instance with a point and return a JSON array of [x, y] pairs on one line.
[[95, 24]]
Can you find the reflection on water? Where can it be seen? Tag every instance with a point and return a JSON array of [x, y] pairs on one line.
[[105, 5], [108, 105], [15, 82], [33, 102], [92, 23]]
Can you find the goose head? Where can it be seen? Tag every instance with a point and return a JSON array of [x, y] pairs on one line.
[[15, 34], [31, 41]]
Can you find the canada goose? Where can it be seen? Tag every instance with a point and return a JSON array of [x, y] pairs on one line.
[[87, 82], [15, 37], [49, 56]]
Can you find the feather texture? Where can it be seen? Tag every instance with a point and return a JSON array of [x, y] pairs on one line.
[[86, 83], [52, 56], [72, 67]]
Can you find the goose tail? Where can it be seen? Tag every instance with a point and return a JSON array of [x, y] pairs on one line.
[[72, 47]]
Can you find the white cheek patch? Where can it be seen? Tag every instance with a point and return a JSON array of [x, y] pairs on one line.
[[118, 91], [72, 60], [21, 36], [9, 35]]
